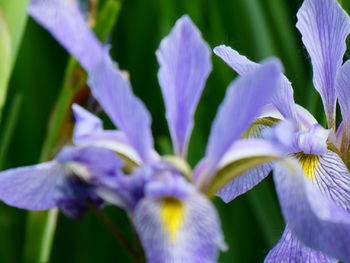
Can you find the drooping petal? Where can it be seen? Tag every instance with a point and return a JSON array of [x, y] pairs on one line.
[[31, 187], [329, 174], [175, 229], [290, 250], [316, 220], [283, 97], [343, 93], [324, 26], [88, 131], [63, 19], [235, 114], [127, 112], [185, 64]]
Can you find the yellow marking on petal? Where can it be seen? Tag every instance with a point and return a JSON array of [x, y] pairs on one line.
[[172, 215], [309, 163]]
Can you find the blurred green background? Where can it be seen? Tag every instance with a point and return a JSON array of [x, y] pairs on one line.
[[252, 223]]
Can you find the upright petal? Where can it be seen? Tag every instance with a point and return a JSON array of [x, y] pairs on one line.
[[127, 112], [31, 187], [343, 93], [63, 19], [185, 64], [283, 97], [290, 250], [173, 229], [324, 26], [243, 102], [316, 220]]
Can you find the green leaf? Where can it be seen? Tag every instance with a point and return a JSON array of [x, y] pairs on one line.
[[5, 54], [13, 17]]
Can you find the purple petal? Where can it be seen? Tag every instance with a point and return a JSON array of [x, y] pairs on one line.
[[315, 219], [127, 112], [249, 179], [179, 230], [63, 19], [31, 187], [343, 93], [290, 250], [283, 96], [255, 88], [88, 131], [185, 64], [324, 26]]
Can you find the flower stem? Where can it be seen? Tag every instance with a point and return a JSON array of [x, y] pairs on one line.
[[136, 254]]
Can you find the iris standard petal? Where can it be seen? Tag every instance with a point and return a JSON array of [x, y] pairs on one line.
[[88, 131], [243, 102], [290, 250], [63, 19], [185, 64], [179, 230], [315, 219], [283, 97], [31, 187], [343, 93], [324, 26], [127, 112]]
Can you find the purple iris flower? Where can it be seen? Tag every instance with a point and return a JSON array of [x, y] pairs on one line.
[[315, 201], [167, 202]]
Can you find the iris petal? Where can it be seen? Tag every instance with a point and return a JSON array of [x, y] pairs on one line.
[[290, 250], [185, 64], [324, 26]]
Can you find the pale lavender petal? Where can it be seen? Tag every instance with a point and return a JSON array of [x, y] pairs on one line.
[[314, 140], [31, 187], [249, 179], [316, 220], [179, 230], [282, 98], [343, 93], [88, 131], [185, 64], [127, 112], [63, 19], [324, 26], [305, 118], [290, 250], [235, 115]]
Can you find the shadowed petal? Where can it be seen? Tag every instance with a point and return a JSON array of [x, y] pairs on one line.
[[31, 187], [324, 26], [343, 93], [185, 64], [185, 229], [243, 102], [315, 219], [63, 19], [290, 250], [127, 112], [283, 97]]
